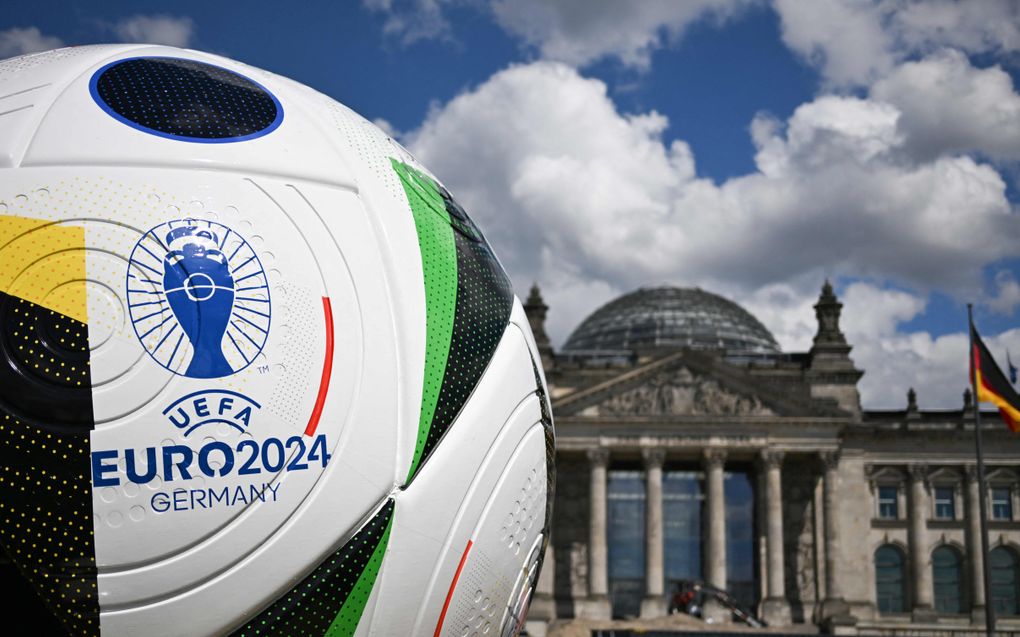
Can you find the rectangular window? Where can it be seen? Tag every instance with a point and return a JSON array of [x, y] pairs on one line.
[[740, 548], [945, 503], [888, 503], [682, 499], [1002, 503], [626, 531]]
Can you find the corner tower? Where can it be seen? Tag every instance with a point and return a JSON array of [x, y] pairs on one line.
[[830, 370]]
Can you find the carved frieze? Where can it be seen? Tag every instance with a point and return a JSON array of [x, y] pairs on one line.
[[678, 392]]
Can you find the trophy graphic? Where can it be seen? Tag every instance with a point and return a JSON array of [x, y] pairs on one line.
[[199, 288], [199, 283]]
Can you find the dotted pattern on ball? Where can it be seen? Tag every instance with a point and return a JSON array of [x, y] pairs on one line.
[[44, 372], [45, 493], [44, 352], [375, 150], [477, 612], [519, 525], [317, 602], [26, 62], [370, 144], [481, 600], [303, 322], [439, 267], [186, 98], [480, 305], [47, 345], [46, 518], [85, 203], [484, 301]]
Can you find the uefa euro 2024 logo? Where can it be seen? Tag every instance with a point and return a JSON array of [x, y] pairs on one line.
[[198, 298]]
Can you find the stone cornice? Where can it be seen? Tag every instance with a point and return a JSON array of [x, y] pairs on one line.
[[790, 431], [748, 448], [711, 421]]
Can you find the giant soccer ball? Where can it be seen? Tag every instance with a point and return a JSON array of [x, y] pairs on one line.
[[261, 374]]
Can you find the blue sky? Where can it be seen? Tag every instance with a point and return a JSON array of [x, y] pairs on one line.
[[750, 147]]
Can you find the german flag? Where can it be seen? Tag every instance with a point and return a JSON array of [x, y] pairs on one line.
[[990, 383]]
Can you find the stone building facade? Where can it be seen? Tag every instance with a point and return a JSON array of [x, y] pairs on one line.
[[690, 447]]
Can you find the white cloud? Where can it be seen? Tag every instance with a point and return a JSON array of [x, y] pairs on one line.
[[935, 366], [948, 106], [156, 29], [413, 20], [787, 310], [578, 32], [893, 360], [851, 42], [387, 127], [604, 193], [830, 130], [1007, 293], [989, 26], [19, 41], [855, 42], [880, 190], [591, 202], [871, 320], [871, 311], [844, 39], [834, 186], [555, 175]]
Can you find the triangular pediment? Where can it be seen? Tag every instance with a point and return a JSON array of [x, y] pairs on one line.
[[679, 392], [891, 475], [1001, 475], [684, 383]]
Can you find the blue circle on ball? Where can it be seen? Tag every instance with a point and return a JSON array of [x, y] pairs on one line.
[[185, 100]]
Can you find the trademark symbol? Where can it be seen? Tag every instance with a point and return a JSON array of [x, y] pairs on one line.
[[263, 369]]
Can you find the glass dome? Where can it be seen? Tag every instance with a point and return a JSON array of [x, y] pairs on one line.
[[671, 317]]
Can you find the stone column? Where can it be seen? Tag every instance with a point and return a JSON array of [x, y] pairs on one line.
[[775, 608], [597, 605], [977, 567], [546, 579], [920, 566], [715, 531], [543, 602], [835, 611], [654, 603]]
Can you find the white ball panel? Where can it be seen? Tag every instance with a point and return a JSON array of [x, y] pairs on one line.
[[437, 515]]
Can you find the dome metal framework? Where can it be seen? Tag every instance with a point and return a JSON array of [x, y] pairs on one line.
[[664, 317]]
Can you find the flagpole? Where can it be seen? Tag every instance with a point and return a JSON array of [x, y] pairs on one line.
[[982, 491]]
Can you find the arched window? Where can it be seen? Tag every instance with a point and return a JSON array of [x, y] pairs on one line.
[[890, 583], [1002, 567], [947, 576]]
